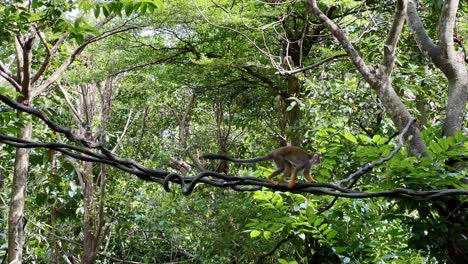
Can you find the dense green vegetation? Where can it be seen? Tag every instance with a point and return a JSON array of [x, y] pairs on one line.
[[163, 82]]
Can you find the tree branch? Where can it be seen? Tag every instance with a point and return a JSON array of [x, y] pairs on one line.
[[76, 116], [19, 59], [366, 168], [420, 35], [207, 177], [446, 24], [315, 65], [64, 66], [281, 242], [5, 70], [345, 42], [224, 181], [394, 36], [49, 53], [11, 80]]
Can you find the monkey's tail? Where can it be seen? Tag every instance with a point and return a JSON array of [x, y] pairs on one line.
[[222, 157]]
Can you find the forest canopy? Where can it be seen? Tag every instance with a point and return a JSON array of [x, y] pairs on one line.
[[111, 113]]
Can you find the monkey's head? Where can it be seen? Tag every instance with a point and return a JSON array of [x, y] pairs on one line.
[[315, 158]]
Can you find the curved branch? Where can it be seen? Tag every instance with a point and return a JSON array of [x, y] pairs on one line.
[[64, 66], [49, 53], [225, 181], [60, 129], [207, 177], [356, 175], [282, 241]]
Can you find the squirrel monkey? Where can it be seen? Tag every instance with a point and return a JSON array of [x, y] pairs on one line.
[[286, 159]]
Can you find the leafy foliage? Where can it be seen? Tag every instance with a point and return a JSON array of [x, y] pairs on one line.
[[213, 52]]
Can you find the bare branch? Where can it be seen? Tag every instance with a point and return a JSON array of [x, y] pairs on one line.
[[5, 70], [394, 36], [60, 129], [76, 116], [345, 42], [315, 65], [221, 180], [11, 80], [64, 66], [127, 125], [27, 46], [49, 55], [370, 166], [19, 58]]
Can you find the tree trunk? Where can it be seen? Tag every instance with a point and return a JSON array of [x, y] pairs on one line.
[[2, 180], [379, 77], [452, 64], [90, 216], [447, 59], [16, 219], [53, 212], [400, 116], [294, 134], [222, 134], [457, 98]]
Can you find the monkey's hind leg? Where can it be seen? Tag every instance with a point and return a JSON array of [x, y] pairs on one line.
[[274, 174], [292, 182], [286, 172]]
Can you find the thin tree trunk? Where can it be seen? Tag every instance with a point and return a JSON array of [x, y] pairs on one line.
[[456, 101], [294, 115], [53, 212], [90, 216], [16, 219]]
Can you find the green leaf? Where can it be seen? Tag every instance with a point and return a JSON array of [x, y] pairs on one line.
[[143, 8], [159, 4], [434, 147], [318, 221], [323, 226], [128, 8], [267, 235], [97, 11], [340, 250], [332, 234], [349, 136], [106, 10], [255, 233], [379, 140]]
